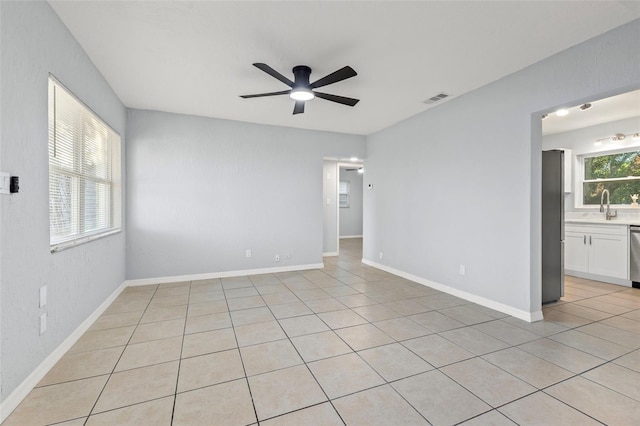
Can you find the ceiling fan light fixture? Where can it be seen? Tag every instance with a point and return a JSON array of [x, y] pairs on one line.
[[301, 94]]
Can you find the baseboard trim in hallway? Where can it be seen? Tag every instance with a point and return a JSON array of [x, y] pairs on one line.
[[506, 309], [27, 385], [223, 274]]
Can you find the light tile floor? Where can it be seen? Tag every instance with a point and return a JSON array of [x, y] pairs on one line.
[[346, 344]]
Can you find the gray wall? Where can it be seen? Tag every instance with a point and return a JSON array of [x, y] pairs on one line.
[[580, 141], [351, 218], [460, 183], [329, 212], [35, 43], [201, 191]]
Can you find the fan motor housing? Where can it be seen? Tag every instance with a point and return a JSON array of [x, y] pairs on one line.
[[301, 74]]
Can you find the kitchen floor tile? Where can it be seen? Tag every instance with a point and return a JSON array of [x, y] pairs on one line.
[[473, 340], [245, 303], [491, 418], [533, 370], [206, 308], [232, 403], [612, 334], [290, 310], [506, 332], [402, 328], [617, 378], [102, 339], [363, 337], [631, 361], [251, 316], [313, 347], [207, 322], [269, 356], [597, 401], [74, 366], [164, 314], [439, 399], [344, 374], [116, 320], [356, 300], [283, 391], [211, 369], [317, 415], [324, 305], [157, 412], [562, 355], [435, 321], [208, 342], [465, 315], [300, 326], [148, 353], [375, 313], [590, 344], [57, 403], [541, 409], [252, 334], [138, 385], [437, 350], [341, 319], [158, 330], [374, 407], [394, 362], [488, 382]]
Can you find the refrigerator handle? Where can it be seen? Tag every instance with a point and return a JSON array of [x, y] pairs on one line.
[[584, 240], [589, 239]]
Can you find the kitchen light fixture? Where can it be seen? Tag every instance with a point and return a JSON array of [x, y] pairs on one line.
[[585, 107], [360, 170], [562, 112], [301, 94], [616, 138], [353, 159]]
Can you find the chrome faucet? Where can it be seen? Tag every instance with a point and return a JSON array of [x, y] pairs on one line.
[[608, 214]]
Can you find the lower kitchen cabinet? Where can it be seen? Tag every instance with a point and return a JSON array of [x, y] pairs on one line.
[[598, 249]]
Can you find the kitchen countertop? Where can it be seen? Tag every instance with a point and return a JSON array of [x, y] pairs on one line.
[[603, 221]]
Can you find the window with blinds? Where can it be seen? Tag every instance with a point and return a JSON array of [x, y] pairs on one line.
[[84, 172], [343, 194]]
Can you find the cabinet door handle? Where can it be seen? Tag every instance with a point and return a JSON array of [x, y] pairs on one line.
[[589, 239], [584, 240]]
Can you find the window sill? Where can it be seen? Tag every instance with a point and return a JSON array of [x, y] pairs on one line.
[[54, 248]]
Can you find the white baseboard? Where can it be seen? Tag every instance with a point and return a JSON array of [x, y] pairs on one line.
[[350, 236], [610, 280], [330, 253], [224, 274], [27, 385], [488, 303]]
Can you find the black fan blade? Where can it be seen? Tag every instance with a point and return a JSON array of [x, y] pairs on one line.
[[299, 108], [259, 95], [273, 73], [335, 98], [334, 77]]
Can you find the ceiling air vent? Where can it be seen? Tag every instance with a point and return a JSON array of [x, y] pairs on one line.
[[440, 96]]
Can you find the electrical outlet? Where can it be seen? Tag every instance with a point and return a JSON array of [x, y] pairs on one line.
[[381, 256], [461, 269], [43, 323], [277, 258], [247, 253], [43, 296]]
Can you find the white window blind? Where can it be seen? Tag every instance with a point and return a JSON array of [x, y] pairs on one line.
[[84, 172]]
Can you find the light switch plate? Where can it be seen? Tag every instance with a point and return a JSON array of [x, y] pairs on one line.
[[43, 296]]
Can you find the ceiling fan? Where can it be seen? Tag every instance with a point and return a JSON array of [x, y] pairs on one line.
[[302, 91]]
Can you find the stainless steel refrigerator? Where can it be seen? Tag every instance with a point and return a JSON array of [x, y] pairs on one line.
[[552, 225]]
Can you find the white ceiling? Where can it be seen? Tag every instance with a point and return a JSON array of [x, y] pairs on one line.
[[194, 57], [605, 110]]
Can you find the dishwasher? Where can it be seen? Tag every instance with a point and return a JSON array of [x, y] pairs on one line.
[[634, 255]]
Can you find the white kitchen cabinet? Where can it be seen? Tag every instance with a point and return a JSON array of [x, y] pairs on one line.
[[597, 249]]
